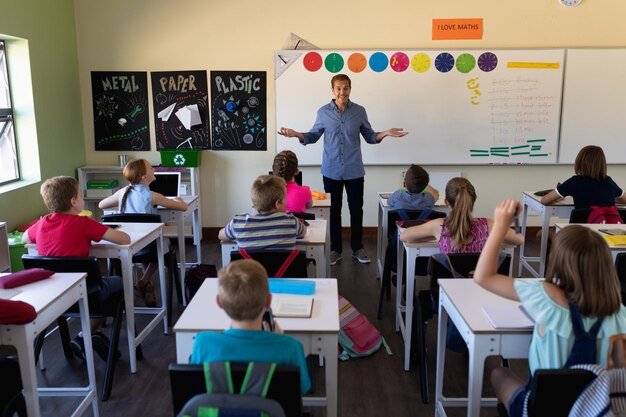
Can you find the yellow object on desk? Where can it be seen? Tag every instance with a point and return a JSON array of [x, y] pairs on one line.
[[616, 240], [318, 195]]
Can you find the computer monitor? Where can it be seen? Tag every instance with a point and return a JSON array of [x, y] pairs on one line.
[[297, 179], [166, 183]]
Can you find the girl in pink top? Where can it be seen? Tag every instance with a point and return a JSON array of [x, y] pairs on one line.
[[298, 197], [459, 232]]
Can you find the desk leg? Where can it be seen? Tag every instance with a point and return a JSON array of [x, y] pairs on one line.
[[545, 229], [86, 329], [408, 317], [329, 346], [478, 349], [129, 305], [162, 280], [24, 338], [182, 254], [399, 273], [522, 249], [441, 353], [379, 244]]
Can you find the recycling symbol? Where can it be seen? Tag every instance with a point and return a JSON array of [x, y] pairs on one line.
[[179, 159]]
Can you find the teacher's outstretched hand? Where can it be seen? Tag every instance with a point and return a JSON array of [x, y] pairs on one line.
[[290, 133], [396, 132]]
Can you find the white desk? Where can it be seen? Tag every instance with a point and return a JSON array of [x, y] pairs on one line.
[[169, 215], [383, 228], [615, 249], [413, 251], [461, 300], [318, 334], [561, 209], [50, 298], [321, 209], [141, 235], [315, 244]]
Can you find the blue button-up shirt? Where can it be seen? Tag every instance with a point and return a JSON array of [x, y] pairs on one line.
[[342, 158]]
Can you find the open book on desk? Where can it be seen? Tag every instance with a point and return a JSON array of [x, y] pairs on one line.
[[292, 306], [508, 317]]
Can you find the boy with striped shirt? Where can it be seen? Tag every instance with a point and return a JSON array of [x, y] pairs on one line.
[[271, 228]]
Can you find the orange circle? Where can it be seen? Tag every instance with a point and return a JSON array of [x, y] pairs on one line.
[[357, 62]]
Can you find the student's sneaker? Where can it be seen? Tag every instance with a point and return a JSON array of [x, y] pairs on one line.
[[78, 347], [335, 257], [101, 345], [147, 290], [361, 256]]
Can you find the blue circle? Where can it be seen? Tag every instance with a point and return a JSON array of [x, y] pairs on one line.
[[231, 106], [444, 62], [378, 62]]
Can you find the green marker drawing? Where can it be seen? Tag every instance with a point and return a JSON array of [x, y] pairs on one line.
[[539, 154], [479, 150], [535, 140], [520, 153], [479, 155], [520, 146]]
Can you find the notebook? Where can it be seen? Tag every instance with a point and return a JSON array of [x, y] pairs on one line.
[[292, 306], [508, 317], [166, 183], [616, 240]]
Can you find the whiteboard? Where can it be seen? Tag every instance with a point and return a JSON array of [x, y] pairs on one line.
[[491, 107], [594, 103]]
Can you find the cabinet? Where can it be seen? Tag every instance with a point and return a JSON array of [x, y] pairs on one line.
[[189, 177], [5, 256]]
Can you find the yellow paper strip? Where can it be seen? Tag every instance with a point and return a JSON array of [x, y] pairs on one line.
[[537, 65]]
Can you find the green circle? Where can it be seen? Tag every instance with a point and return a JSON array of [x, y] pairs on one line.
[[465, 63], [334, 62]]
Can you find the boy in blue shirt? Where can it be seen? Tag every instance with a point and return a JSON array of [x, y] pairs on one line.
[[243, 293], [417, 194]]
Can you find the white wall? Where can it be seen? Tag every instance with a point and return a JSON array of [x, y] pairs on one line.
[[151, 35]]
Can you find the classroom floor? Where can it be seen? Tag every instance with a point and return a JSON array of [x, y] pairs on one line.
[[367, 386]]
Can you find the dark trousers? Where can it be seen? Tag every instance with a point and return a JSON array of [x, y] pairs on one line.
[[354, 190]]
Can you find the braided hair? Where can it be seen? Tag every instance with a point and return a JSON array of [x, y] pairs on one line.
[[285, 165], [134, 171]]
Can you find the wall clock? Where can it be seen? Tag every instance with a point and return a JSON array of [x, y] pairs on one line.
[[570, 3]]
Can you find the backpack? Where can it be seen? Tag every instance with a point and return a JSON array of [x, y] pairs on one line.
[[221, 399], [604, 396], [357, 336], [604, 215], [195, 276]]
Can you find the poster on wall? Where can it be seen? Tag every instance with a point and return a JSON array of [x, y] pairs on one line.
[[181, 111], [120, 111], [238, 111]]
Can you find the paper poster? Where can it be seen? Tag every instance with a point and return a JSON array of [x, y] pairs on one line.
[[120, 111], [181, 115], [457, 29], [239, 110]]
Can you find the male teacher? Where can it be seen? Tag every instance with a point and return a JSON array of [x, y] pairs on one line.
[[340, 122]]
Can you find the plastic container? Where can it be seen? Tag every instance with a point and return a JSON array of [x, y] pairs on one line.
[[180, 158], [17, 248]]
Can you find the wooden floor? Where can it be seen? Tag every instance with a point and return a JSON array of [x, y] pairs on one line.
[[367, 386]]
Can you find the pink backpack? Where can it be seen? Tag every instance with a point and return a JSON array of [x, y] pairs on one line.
[[357, 336], [604, 215]]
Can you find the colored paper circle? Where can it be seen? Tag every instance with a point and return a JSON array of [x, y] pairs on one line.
[[444, 62], [420, 62], [487, 61], [378, 62], [334, 62], [312, 61], [357, 62], [399, 62], [465, 63]]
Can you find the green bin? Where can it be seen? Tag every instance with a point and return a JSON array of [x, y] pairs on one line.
[[17, 248], [180, 157]]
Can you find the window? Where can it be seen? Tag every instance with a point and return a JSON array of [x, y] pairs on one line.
[[9, 168]]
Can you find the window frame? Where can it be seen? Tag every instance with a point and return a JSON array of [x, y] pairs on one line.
[[7, 114]]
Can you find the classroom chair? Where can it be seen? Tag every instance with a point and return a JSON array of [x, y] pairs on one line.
[[273, 260], [389, 262], [113, 307], [188, 380], [581, 215], [11, 397], [303, 215], [620, 267], [554, 391], [149, 254]]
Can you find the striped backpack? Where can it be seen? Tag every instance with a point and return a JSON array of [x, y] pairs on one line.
[[357, 336]]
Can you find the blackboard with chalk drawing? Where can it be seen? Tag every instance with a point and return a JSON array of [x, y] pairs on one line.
[[459, 106]]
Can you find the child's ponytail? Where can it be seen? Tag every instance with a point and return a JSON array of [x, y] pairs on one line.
[[134, 171], [461, 195]]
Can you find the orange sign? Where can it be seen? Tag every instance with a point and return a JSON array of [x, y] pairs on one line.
[[454, 29]]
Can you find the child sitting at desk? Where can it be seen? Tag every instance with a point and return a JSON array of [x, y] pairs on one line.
[[138, 198], [591, 186], [581, 283], [417, 193], [299, 197], [64, 233], [243, 293], [271, 228], [459, 232]]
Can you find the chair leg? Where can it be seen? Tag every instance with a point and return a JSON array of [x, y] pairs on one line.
[[64, 332], [421, 346], [173, 278], [115, 341], [381, 296], [39, 344]]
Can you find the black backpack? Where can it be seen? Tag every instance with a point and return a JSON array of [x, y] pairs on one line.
[[195, 276]]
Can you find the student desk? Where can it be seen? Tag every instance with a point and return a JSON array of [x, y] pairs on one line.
[[318, 334], [321, 209], [141, 235], [615, 249], [315, 244], [460, 300], [383, 219], [50, 297], [169, 215], [413, 251], [560, 209]]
